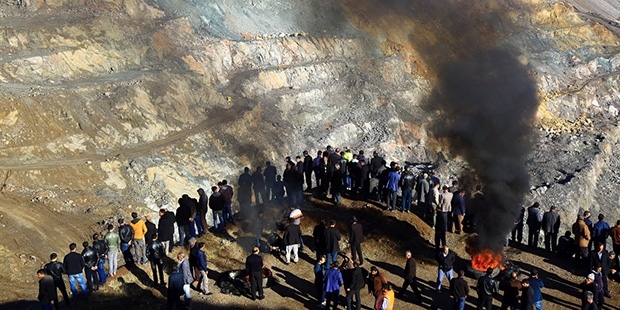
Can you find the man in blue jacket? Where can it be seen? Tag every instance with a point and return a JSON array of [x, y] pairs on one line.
[[201, 265]]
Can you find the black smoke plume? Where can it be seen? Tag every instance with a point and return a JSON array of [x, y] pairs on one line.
[[484, 100]]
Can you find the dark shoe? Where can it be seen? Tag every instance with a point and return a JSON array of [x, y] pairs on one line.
[[261, 297], [608, 295]]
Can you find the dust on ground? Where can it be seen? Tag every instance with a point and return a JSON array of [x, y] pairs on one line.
[[388, 235]]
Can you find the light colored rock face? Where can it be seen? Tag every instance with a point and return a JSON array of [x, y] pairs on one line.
[[131, 102]]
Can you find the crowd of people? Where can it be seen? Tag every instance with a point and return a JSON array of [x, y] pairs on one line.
[[336, 173]]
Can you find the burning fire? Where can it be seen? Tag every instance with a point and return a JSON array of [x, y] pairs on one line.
[[486, 259], [482, 259]]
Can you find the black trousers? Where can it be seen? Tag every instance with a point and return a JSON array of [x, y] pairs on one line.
[[485, 301], [532, 237], [551, 241], [517, 233], [356, 250], [155, 266], [358, 302], [60, 285], [414, 287], [256, 283], [92, 278]]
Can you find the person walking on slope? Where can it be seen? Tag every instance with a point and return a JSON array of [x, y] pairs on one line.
[[445, 260], [410, 279], [355, 240]]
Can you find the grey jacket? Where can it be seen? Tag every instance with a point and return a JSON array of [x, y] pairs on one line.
[[187, 273]]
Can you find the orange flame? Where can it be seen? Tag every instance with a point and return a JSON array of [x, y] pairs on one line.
[[486, 259]]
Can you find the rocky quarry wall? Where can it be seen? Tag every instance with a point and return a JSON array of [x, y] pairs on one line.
[[113, 106]]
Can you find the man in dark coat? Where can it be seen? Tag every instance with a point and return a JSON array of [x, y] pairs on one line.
[[258, 184], [47, 290], [600, 257], [156, 252], [375, 164], [534, 222], [486, 288], [151, 228], [254, 267], [165, 231], [126, 234], [56, 269], [175, 291], [319, 239], [332, 238], [245, 188], [551, 226], [102, 249], [91, 263], [355, 240], [410, 278], [353, 286], [201, 212], [459, 289], [269, 173], [363, 182], [445, 259], [308, 163], [184, 213], [292, 240]]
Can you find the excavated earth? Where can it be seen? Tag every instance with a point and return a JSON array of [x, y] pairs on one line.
[[114, 106]]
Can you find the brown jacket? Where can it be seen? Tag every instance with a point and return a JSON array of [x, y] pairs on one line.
[[582, 233], [376, 286], [615, 234]]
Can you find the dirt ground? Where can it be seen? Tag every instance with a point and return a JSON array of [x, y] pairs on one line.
[[388, 235]]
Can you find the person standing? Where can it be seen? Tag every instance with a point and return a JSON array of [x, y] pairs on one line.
[[386, 300], [308, 167], [333, 281], [551, 226], [156, 253], [458, 211], [422, 189], [184, 213], [201, 212], [336, 184], [536, 284], [517, 230], [375, 282], [410, 278], [292, 239], [56, 269], [125, 232], [102, 249], [175, 291], [47, 291], [320, 269], [355, 240], [217, 203], [258, 184], [254, 267], [459, 289], [600, 230], [228, 193], [270, 179], [600, 257], [534, 222], [445, 206], [184, 268], [201, 266], [354, 286], [332, 239], [445, 260], [91, 261], [73, 264], [582, 238], [165, 228], [392, 187], [319, 235], [245, 188], [407, 182], [113, 241], [615, 237], [486, 287], [139, 245], [511, 288]]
